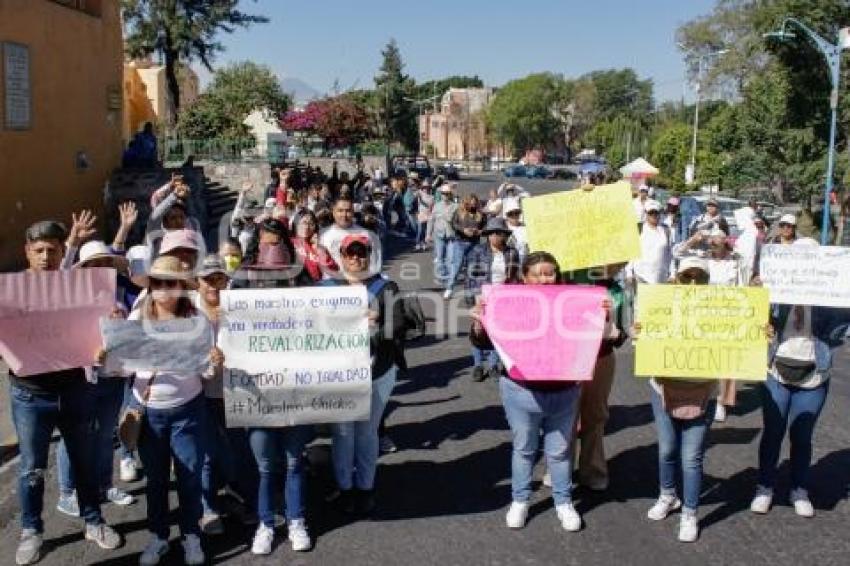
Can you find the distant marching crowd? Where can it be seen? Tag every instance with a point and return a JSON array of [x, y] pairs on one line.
[[311, 229]]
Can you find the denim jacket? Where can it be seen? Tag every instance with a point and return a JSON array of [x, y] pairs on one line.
[[829, 327], [480, 261]]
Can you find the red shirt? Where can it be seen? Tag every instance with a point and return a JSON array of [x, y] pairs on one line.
[[315, 258]]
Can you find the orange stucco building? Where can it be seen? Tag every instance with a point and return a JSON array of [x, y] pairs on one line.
[[60, 111]]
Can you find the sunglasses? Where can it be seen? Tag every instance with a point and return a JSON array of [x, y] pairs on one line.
[[785, 225], [699, 278], [653, 212], [164, 283]]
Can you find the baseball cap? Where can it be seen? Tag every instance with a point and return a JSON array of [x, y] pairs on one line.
[[692, 262], [212, 264], [788, 219], [353, 239], [652, 206]]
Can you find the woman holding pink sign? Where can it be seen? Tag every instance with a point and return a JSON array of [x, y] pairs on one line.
[[536, 408]]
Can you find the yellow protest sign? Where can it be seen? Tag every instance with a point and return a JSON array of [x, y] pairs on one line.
[[702, 331], [584, 228]]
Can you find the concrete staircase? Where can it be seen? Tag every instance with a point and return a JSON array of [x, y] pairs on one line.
[[219, 200]]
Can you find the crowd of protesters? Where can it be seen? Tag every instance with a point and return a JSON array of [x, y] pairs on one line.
[[311, 229]]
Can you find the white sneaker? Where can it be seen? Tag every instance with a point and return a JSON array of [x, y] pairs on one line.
[[762, 501], [298, 535], [517, 515], [263, 539], [569, 517], [720, 413], [156, 549], [193, 554], [448, 294], [802, 505], [688, 527], [547, 479], [119, 497], [666, 504], [29, 548], [127, 470]]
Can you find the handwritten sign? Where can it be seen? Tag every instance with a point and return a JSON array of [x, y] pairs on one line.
[[545, 332], [174, 345], [702, 331], [806, 275], [49, 321], [584, 228], [296, 356]]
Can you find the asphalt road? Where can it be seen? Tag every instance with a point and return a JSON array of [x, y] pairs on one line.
[[443, 496]]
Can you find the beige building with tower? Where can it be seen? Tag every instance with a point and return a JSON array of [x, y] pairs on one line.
[[146, 93], [458, 130]]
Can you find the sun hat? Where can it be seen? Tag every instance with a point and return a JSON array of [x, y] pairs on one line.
[[788, 219], [447, 188], [97, 249], [176, 239], [211, 265], [167, 268], [692, 262], [495, 226]]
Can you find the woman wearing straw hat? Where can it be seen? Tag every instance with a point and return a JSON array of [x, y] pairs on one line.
[[174, 422]]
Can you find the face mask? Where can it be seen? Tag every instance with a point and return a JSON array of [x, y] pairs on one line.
[[232, 263]]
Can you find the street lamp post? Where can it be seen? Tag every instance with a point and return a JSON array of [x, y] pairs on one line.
[[832, 55], [690, 174]]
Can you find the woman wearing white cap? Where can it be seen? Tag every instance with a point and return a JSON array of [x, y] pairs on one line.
[[787, 230], [683, 412], [108, 393], [726, 268]]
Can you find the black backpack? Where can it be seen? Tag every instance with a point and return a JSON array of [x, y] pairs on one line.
[[414, 317]]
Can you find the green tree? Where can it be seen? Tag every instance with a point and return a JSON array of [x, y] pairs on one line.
[[394, 91], [180, 31], [622, 93], [235, 92], [524, 113]]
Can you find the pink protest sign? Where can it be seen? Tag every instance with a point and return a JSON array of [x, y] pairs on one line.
[[545, 332], [49, 321]]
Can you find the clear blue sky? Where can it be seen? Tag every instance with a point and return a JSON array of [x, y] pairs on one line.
[[320, 41]]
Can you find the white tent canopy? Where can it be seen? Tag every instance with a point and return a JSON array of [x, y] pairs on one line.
[[638, 168]]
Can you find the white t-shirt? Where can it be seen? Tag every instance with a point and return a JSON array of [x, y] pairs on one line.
[[170, 389], [656, 255], [498, 269]]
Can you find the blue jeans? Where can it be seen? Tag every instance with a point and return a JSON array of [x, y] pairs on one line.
[[442, 258], [796, 410], [460, 249], [174, 433], [276, 449], [123, 453], [108, 397], [228, 460], [412, 223], [35, 416], [478, 356], [355, 445], [681, 441], [529, 413], [421, 232]]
